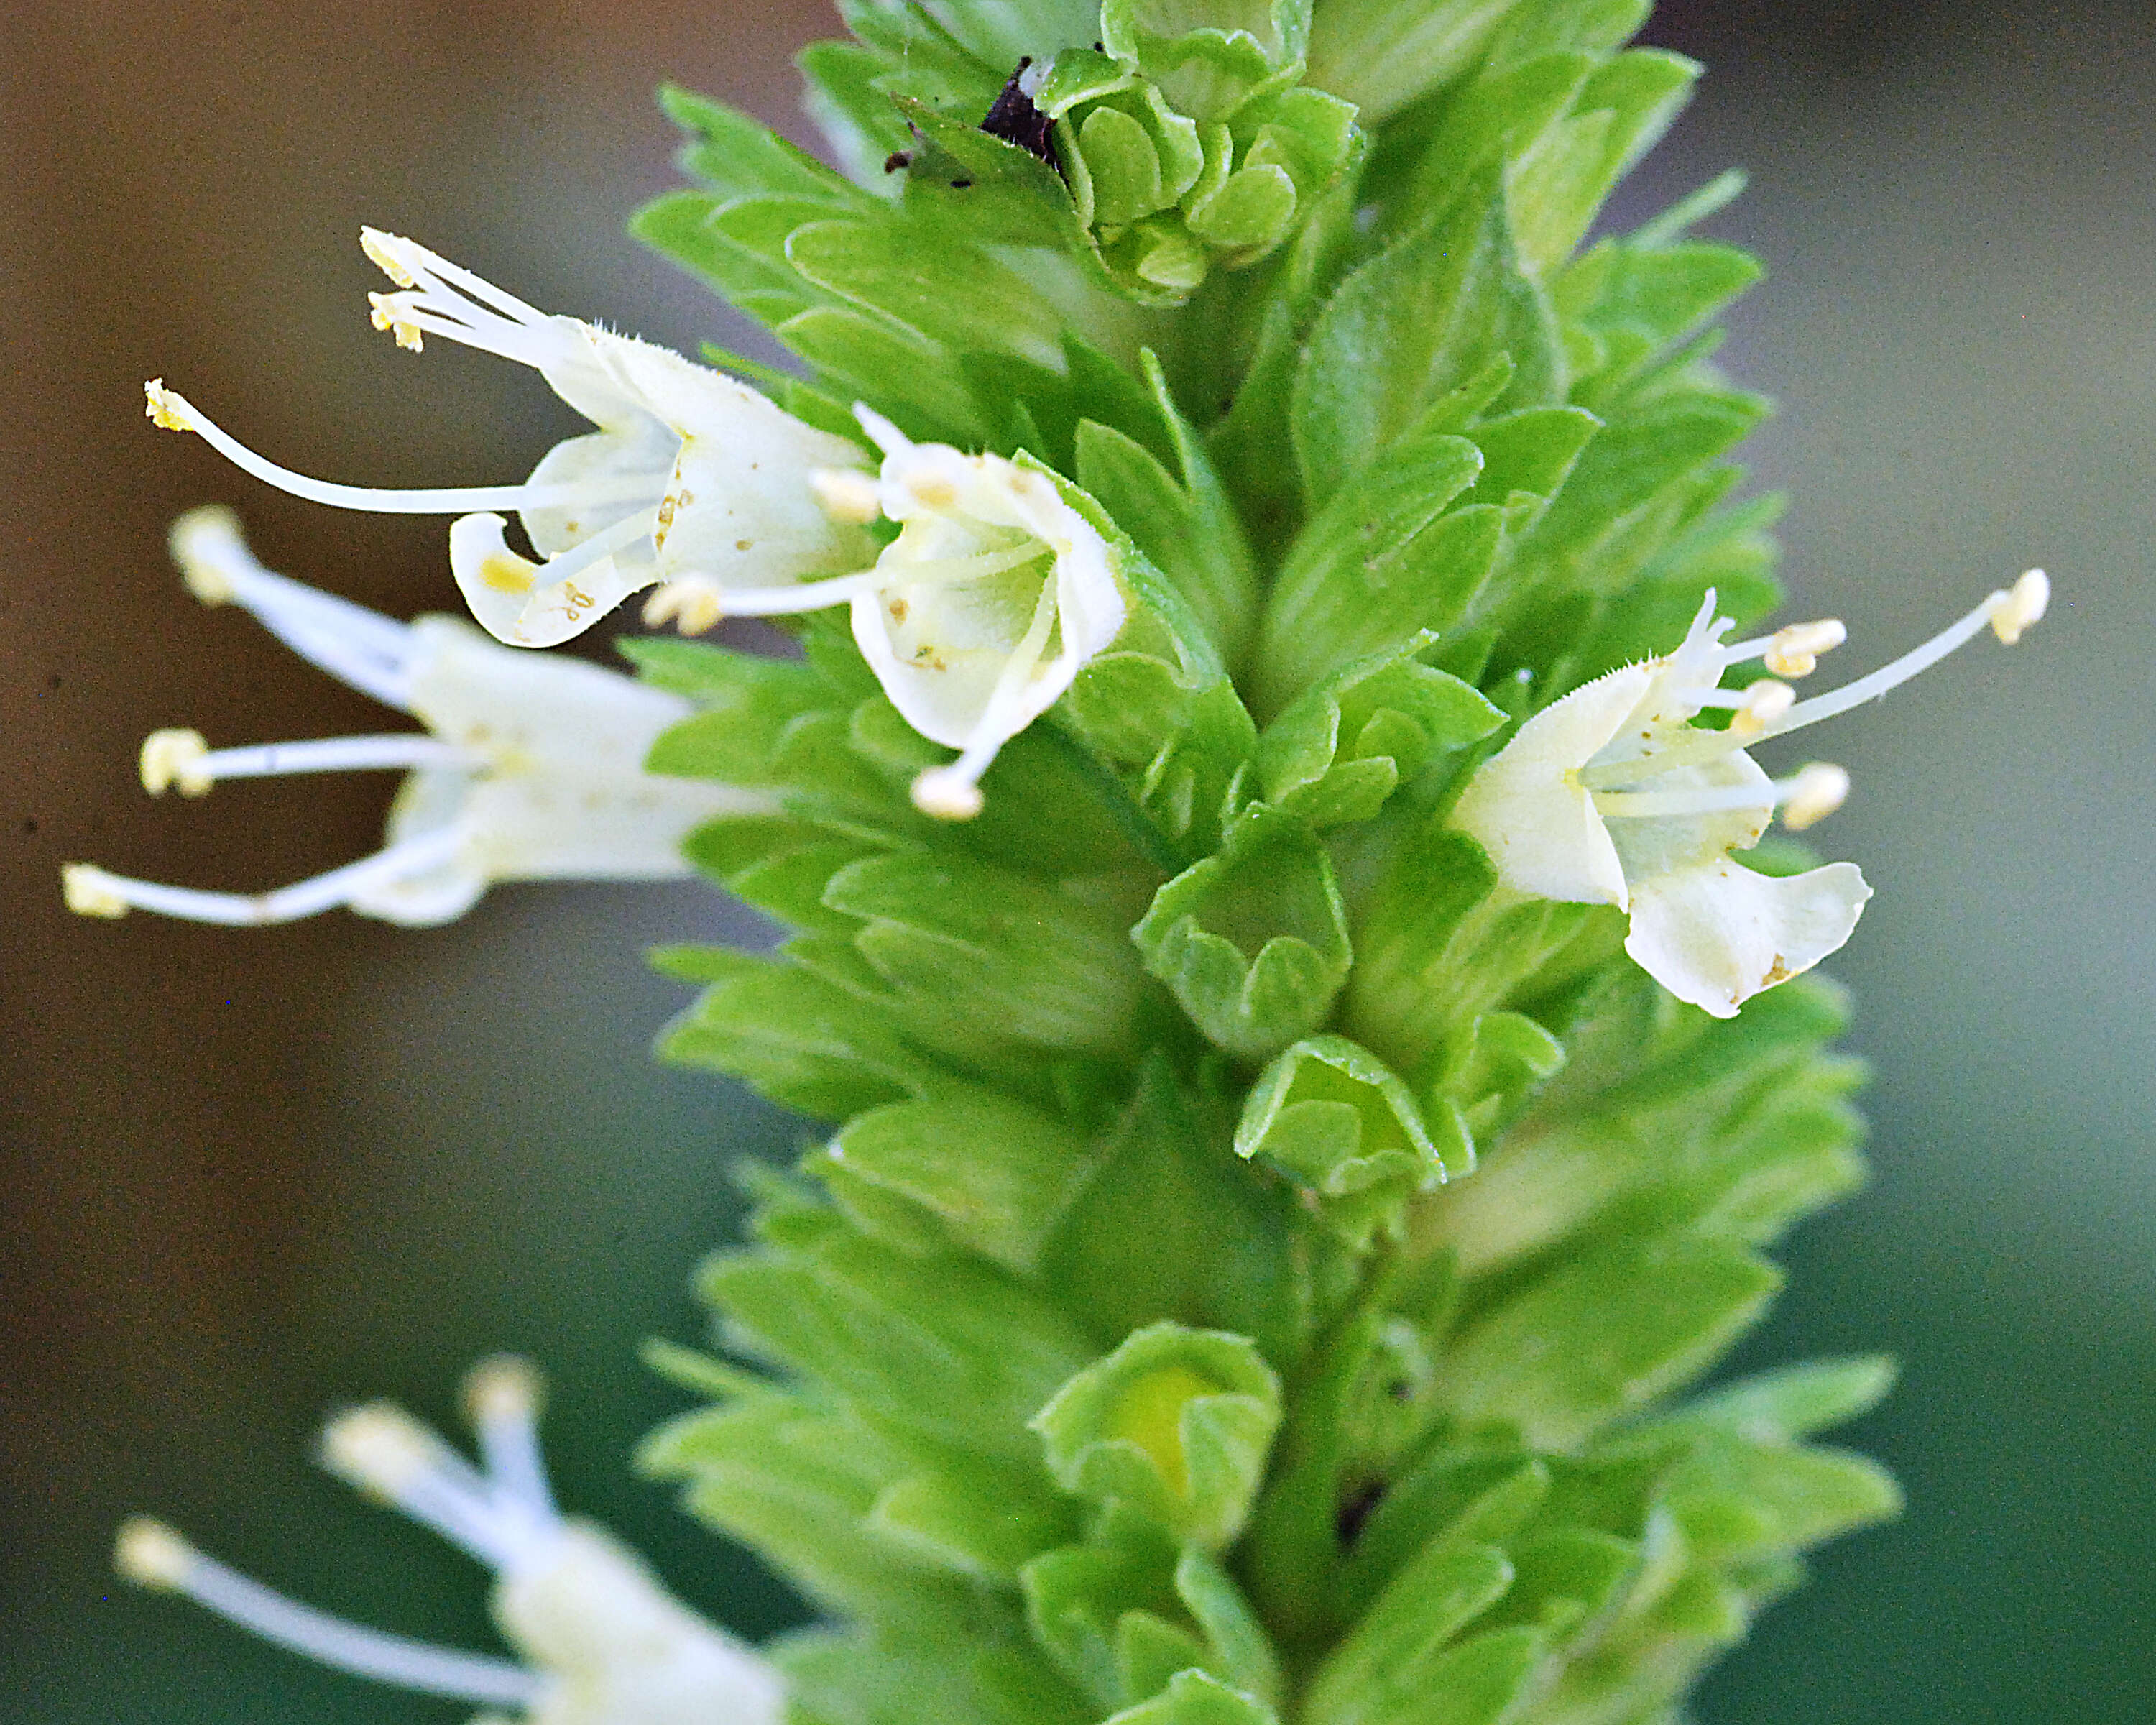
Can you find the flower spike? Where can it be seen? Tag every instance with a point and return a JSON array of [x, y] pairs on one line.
[[531, 768], [1612, 795], [600, 1642]]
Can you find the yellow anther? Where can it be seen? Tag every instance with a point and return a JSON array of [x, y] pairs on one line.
[[379, 1448], [1820, 789], [391, 313], [1796, 649], [691, 604], [503, 1387], [2025, 603], [1765, 702], [166, 409], [196, 538], [945, 795], [89, 893], [174, 757], [377, 246], [150, 1554], [847, 497]]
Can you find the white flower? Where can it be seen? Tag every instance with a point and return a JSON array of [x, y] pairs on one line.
[[531, 767], [975, 620], [984, 609], [1613, 796], [690, 473], [601, 1642]]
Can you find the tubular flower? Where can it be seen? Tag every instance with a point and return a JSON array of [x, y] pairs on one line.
[[601, 1642], [975, 618], [690, 473], [1613, 796], [530, 768]]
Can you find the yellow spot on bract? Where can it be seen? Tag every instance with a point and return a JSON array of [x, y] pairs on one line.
[[899, 609], [932, 492], [1778, 972], [1149, 1413], [506, 574]]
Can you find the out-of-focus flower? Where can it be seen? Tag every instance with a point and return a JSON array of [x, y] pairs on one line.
[[601, 1642], [531, 767]]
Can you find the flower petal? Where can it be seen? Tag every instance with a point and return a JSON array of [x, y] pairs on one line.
[[512, 599], [1524, 808], [1718, 934]]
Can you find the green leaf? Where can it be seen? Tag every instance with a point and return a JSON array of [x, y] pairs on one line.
[[1174, 1227], [1193, 1698], [995, 1174], [1252, 941], [1453, 1497], [1382, 54], [1004, 957], [1379, 564], [1416, 320], [1342, 747], [939, 1350], [1394, 1667], [739, 156], [1605, 1334], [1173, 1426], [1795, 1401], [1336, 1120], [969, 1522], [792, 1037]]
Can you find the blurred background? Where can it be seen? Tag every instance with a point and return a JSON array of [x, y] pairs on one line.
[[252, 1175]]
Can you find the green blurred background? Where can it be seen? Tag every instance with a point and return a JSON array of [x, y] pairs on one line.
[[251, 1175]]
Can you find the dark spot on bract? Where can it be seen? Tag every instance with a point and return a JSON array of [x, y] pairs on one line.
[[1013, 117], [896, 160], [1356, 1511], [960, 185]]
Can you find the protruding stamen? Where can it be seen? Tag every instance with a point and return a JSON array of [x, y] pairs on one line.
[[153, 1555], [847, 495], [502, 1397], [1794, 651], [1764, 701], [150, 1554], [175, 756], [388, 1455], [387, 314], [182, 757], [172, 410], [693, 604], [1816, 793], [1811, 795], [946, 793], [92, 892], [2023, 604]]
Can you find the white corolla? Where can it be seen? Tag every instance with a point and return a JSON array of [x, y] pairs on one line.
[[979, 614], [1613, 796], [531, 768], [600, 1640]]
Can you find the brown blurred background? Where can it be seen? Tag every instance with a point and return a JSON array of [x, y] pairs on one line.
[[253, 1174]]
